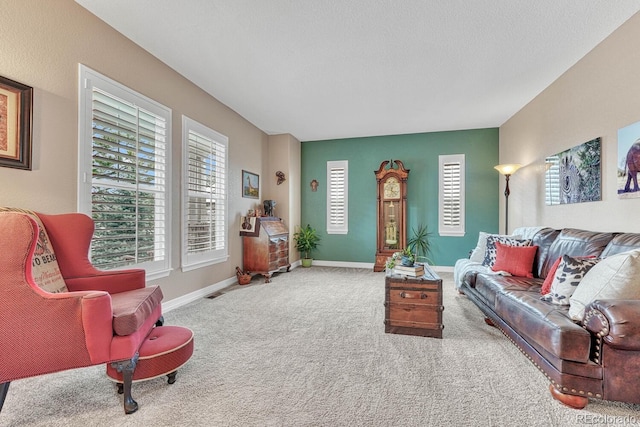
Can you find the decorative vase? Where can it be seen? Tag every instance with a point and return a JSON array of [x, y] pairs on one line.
[[243, 278]]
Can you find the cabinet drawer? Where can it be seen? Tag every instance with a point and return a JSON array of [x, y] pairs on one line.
[[413, 296], [415, 285], [412, 315]]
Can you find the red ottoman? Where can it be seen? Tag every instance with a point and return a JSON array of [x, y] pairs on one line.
[[165, 350]]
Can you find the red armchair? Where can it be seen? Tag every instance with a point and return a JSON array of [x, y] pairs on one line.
[[101, 316]]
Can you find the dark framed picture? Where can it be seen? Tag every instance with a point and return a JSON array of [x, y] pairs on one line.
[[16, 104], [250, 185]]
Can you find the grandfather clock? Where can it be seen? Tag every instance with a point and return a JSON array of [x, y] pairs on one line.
[[392, 211]]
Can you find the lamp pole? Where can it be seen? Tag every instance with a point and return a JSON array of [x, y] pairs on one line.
[[506, 204], [507, 170]]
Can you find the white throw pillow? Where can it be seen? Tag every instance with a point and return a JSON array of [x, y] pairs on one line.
[[480, 250], [615, 277]]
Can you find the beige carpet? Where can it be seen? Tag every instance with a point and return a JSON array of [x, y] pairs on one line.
[[309, 349]]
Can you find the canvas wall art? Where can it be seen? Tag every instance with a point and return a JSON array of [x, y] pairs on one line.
[[628, 161], [250, 185], [574, 175]]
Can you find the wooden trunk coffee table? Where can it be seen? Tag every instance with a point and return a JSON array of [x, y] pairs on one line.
[[413, 305]]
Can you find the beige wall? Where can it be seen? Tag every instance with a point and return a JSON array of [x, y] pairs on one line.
[[595, 98], [42, 44], [284, 155]]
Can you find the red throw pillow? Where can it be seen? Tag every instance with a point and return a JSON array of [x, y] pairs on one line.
[[515, 260], [546, 285], [548, 281]]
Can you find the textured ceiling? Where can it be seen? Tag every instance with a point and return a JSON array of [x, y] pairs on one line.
[[322, 69]]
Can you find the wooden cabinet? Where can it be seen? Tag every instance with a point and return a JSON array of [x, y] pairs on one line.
[[266, 248], [413, 305]]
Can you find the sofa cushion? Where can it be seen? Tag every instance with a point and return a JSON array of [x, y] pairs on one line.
[[544, 325], [132, 308], [568, 276], [515, 260], [615, 277], [489, 286], [45, 270], [620, 243], [490, 254], [576, 242]]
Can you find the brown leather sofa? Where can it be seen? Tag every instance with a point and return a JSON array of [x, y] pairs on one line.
[[596, 358]]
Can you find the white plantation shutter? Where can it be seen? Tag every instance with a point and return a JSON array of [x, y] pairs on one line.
[[552, 180], [205, 204], [451, 209], [124, 175], [337, 197]]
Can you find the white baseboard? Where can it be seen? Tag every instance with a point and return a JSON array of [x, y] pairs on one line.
[[202, 293]]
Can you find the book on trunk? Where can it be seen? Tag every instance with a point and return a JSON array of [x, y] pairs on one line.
[[416, 270]]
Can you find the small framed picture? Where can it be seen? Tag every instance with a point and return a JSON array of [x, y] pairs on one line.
[[250, 185], [16, 104]]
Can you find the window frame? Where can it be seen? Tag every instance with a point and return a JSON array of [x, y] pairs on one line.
[[445, 229], [89, 79], [333, 228], [191, 261]]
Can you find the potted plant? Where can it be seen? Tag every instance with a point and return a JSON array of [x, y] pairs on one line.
[[420, 244], [307, 239], [408, 257]]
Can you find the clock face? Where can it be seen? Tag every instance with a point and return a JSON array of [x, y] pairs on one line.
[[391, 188]]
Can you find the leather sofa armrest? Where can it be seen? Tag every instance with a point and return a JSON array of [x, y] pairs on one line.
[[615, 322]]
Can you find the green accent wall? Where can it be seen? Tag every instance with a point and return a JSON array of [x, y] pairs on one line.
[[419, 153]]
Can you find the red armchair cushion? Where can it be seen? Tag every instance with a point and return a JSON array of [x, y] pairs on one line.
[[45, 269], [132, 308]]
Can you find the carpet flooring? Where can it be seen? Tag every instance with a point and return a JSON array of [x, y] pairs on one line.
[[309, 349]]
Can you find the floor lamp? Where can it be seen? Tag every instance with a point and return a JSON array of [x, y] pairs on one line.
[[507, 170]]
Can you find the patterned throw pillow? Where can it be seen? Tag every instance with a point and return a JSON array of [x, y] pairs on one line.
[[478, 253], [491, 252], [567, 278], [45, 270]]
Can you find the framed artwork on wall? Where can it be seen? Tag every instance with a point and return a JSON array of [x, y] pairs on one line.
[[574, 175], [250, 185], [16, 104], [628, 161]]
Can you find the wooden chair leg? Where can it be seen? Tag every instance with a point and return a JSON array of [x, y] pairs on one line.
[[160, 321], [4, 388], [127, 367]]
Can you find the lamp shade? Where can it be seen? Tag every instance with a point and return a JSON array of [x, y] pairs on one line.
[[508, 169]]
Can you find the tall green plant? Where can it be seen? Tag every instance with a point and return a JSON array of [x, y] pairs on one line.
[[420, 243], [307, 239]]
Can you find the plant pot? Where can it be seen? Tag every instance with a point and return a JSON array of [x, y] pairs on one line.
[[406, 261], [306, 262]]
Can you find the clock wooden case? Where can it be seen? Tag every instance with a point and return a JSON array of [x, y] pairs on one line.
[[391, 210]]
